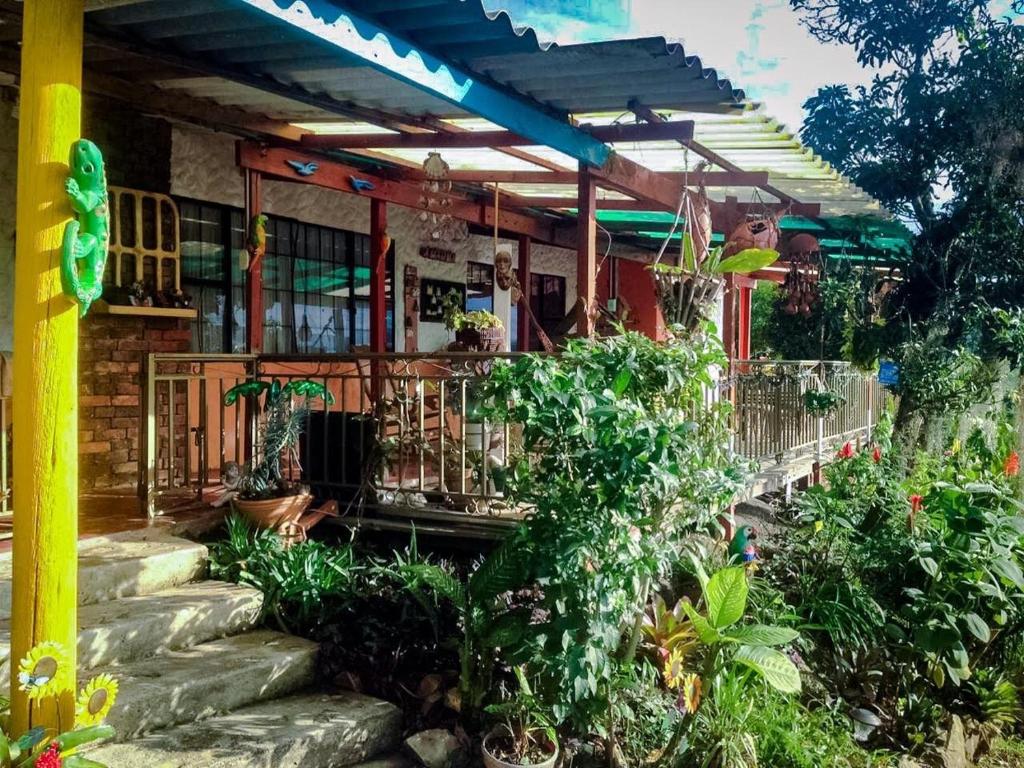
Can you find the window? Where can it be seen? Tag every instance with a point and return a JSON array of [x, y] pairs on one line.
[[547, 300], [479, 286], [212, 240], [316, 284]]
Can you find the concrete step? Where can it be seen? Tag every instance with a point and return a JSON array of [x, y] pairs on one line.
[[123, 565], [311, 731], [132, 628], [205, 680]]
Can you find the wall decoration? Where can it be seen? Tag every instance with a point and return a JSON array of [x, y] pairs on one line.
[[303, 169], [84, 252], [434, 253], [436, 202], [360, 185], [503, 269], [432, 296]]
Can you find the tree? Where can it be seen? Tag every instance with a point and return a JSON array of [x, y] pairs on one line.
[[937, 137]]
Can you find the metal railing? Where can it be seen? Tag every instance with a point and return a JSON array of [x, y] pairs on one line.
[[771, 419], [398, 430], [401, 432]]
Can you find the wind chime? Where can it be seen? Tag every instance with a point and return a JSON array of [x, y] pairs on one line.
[[801, 283], [436, 202]]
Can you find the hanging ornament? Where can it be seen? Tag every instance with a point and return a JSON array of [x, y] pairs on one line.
[[436, 202], [803, 252]]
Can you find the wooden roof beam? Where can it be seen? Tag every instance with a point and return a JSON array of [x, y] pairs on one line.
[[272, 162], [674, 131]]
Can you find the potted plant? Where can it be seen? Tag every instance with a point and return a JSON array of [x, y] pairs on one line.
[[525, 736], [264, 495], [822, 402], [478, 331]]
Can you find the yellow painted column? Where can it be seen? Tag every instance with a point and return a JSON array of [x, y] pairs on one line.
[[45, 353]]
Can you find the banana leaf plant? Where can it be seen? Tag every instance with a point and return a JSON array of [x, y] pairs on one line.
[[285, 413]]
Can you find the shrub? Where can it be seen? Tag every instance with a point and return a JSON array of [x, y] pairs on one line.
[[621, 460]]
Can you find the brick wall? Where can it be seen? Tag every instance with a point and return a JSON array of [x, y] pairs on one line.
[[110, 408]]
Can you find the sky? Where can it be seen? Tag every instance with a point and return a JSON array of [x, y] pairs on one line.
[[759, 44]]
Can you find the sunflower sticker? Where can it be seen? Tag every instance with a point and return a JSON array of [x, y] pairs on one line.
[[95, 701]]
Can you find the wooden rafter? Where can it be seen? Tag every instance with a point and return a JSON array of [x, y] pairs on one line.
[[646, 113], [710, 179], [675, 131]]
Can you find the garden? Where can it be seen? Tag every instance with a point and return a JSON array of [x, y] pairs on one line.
[[876, 619]]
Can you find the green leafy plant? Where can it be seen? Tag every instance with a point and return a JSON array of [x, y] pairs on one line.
[[821, 402], [302, 584], [281, 427], [457, 319], [526, 734], [620, 461], [475, 599]]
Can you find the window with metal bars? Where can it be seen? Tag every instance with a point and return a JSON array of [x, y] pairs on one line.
[[316, 283]]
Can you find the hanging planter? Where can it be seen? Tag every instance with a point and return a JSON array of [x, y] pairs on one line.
[[822, 402]]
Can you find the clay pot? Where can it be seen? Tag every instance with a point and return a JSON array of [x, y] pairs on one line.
[[490, 761], [753, 233], [278, 514]]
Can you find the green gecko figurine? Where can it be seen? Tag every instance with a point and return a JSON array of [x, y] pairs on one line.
[[86, 238]]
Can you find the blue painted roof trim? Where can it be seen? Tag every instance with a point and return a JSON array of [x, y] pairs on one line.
[[399, 58]]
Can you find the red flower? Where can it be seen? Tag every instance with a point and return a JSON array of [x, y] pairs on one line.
[[846, 452], [50, 757], [916, 505], [1011, 467], [876, 454]]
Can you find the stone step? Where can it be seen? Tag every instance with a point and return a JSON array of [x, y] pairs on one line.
[[309, 730], [132, 628], [205, 680], [123, 565]]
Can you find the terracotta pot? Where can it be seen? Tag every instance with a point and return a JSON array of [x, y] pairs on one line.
[[274, 514], [490, 761]]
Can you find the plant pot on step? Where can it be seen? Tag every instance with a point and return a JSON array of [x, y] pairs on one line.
[[276, 514], [491, 760]]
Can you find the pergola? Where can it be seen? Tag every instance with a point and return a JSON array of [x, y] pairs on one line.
[[544, 142]]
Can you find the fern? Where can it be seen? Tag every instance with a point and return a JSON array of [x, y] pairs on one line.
[[504, 570], [439, 579]]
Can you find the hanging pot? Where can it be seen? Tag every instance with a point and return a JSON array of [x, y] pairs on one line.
[[762, 233]]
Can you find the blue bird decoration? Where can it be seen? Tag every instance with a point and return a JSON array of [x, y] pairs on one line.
[[303, 169], [360, 185]]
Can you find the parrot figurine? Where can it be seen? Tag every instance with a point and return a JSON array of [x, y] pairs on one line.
[[256, 240], [360, 185], [303, 169], [742, 545]]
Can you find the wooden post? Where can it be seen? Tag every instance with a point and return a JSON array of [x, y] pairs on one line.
[[45, 567], [586, 253], [522, 316], [254, 285], [729, 317], [379, 245], [745, 308]]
